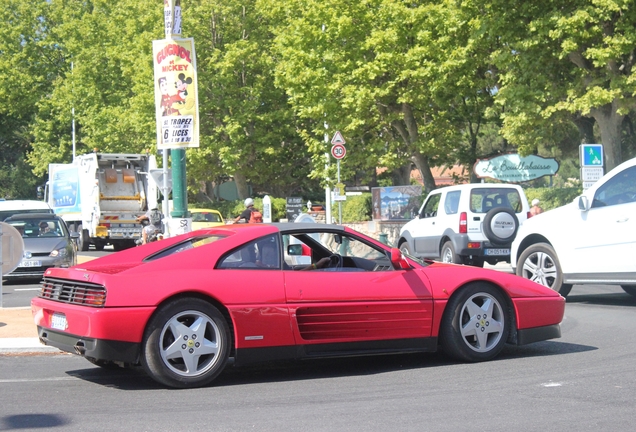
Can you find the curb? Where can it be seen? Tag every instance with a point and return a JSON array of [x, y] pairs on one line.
[[24, 345]]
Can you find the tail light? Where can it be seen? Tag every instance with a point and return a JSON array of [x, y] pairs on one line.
[[463, 223], [529, 215]]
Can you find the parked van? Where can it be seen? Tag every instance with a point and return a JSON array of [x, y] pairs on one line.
[[10, 207]]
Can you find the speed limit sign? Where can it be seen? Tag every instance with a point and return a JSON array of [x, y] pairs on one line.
[[338, 151]]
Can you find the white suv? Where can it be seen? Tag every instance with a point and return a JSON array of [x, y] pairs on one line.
[[589, 241], [466, 224]]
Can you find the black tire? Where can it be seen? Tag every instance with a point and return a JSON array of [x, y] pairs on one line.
[[540, 264], [476, 323], [99, 246], [106, 364], [500, 225], [203, 351], [405, 249], [629, 289], [84, 240], [123, 245], [448, 254]]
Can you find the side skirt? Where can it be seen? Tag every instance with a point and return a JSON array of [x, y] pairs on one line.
[[527, 336], [344, 349]]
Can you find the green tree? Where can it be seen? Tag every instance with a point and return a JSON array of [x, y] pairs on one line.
[[562, 62], [248, 129], [404, 82]]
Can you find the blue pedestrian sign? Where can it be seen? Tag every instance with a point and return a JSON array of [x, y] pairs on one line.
[[591, 155]]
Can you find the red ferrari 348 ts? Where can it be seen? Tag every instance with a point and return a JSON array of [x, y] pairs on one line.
[[183, 306]]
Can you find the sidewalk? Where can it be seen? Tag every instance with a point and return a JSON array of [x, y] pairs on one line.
[[18, 333]]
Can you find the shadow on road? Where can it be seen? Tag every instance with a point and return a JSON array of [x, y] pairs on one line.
[[136, 379]]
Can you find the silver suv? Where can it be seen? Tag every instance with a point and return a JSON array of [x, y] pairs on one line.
[[466, 224]]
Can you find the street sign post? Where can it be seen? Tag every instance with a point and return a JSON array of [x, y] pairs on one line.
[[591, 155], [591, 158], [338, 151]]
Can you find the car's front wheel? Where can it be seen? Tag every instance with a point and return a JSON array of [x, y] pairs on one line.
[[186, 344], [449, 255], [476, 323], [540, 264]]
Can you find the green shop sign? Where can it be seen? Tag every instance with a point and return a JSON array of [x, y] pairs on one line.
[[516, 169]]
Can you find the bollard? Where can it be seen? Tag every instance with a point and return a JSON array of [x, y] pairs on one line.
[[384, 238]]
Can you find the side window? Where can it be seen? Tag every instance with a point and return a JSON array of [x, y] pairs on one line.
[[263, 253], [451, 203], [431, 206], [620, 189]]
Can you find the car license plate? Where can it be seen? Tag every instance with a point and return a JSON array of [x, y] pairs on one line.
[[497, 252], [58, 321], [30, 263]]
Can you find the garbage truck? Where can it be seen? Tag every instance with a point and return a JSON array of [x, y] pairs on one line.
[[100, 196]]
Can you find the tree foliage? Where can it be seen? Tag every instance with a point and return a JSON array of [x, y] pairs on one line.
[[424, 83]]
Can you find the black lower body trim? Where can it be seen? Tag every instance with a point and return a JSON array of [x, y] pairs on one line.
[[344, 349], [100, 349], [527, 336]]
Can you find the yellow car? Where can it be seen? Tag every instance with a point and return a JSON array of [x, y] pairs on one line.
[[205, 218]]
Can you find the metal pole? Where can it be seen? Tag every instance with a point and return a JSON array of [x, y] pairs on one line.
[[165, 205], [73, 115], [339, 202]]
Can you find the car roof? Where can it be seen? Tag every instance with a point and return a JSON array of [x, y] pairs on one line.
[[30, 216]]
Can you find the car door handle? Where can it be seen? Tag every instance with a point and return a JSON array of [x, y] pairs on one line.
[[625, 219]]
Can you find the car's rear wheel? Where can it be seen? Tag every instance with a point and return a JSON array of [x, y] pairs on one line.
[[629, 289], [540, 264], [449, 255], [405, 249], [186, 343], [475, 324]]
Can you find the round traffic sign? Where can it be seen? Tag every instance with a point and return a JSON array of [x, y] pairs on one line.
[[338, 151]]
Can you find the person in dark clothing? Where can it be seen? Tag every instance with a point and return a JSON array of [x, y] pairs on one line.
[[245, 215]]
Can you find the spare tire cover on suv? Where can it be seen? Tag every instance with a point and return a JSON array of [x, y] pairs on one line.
[[500, 225]]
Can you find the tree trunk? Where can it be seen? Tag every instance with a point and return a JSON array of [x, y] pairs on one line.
[[421, 162], [610, 123], [241, 186], [402, 175]]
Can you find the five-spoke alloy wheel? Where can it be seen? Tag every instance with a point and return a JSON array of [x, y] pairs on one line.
[[186, 343], [476, 323]]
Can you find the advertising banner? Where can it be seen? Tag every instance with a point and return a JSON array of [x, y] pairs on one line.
[[176, 101]]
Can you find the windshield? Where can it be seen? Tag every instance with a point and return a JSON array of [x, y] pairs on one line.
[[38, 227]]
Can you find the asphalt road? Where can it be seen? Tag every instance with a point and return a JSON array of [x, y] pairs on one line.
[[584, 381]]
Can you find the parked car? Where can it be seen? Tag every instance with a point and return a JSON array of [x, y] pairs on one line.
[[205, 218], [183, 306], [467, 224], [47, 243], [589, 241]]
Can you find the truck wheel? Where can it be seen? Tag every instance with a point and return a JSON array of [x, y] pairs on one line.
[[83, 238]]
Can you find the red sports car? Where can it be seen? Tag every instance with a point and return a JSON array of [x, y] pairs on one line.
[[181, 307]]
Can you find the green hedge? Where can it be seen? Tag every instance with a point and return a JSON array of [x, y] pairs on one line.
[[553, 197], [358, 208]]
